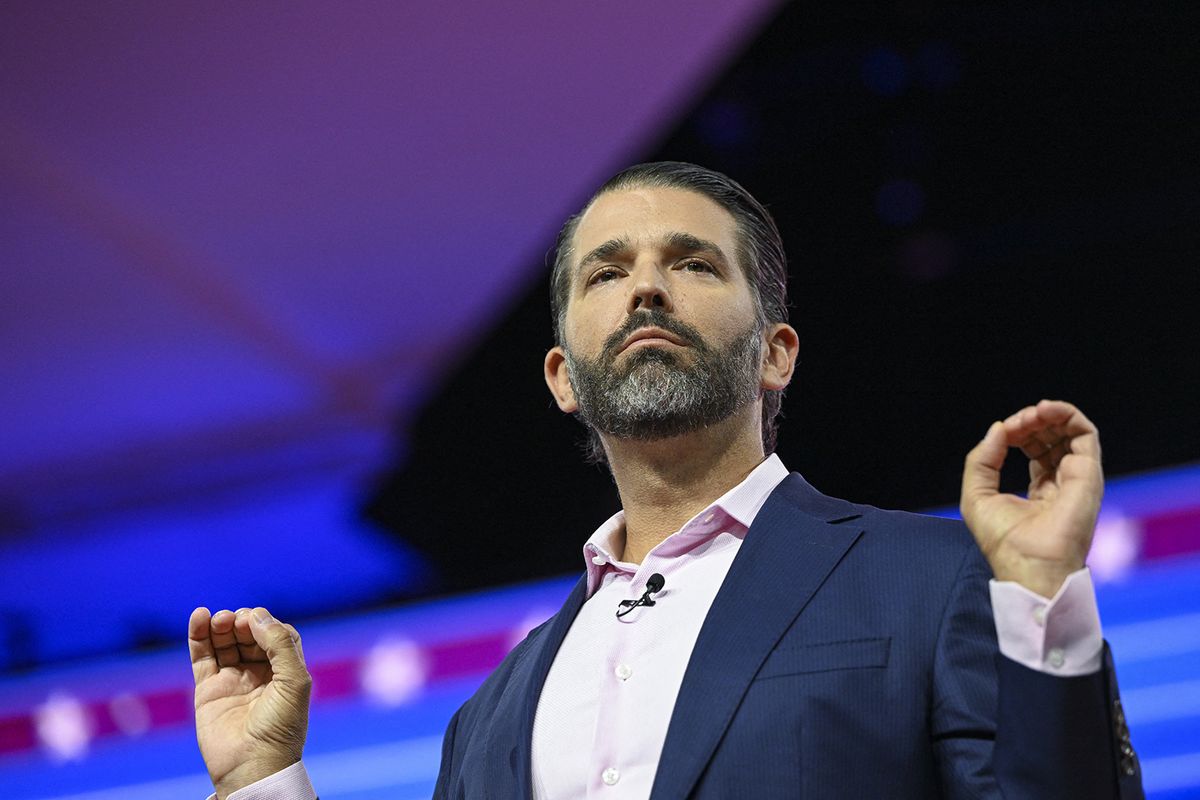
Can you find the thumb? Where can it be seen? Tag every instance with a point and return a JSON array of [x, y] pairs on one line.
[[981, 472], [282, 652]]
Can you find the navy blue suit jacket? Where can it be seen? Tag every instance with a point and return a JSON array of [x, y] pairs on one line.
[[850, 653]]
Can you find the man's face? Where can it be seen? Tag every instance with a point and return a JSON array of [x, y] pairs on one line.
[[661, 335]]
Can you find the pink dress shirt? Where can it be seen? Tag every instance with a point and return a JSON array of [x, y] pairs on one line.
[[604, 710]]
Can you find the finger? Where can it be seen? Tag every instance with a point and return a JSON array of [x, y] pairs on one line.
[[1079, 470], [200, 647], [1045, 454], [981, 471], [1071, 423], [296, 638], [1041, 440], [1073, 460], [223, 640], [1050, 430], [1081, 486], [1025, 429], [248, 649], [1035, 449], [1043, 432], [281, 649], [1041, 470]]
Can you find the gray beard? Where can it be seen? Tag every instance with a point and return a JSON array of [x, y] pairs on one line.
[[655, 394]]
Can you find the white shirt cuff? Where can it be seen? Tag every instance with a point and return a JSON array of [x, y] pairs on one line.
[[1060, 636], [290, 783]]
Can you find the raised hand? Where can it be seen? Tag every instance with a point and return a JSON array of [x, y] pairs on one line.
[[1039, 540], [252, 692]]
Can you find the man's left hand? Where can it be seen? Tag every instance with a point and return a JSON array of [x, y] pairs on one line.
[[1036, 541]]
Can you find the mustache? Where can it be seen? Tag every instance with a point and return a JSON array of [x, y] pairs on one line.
[[654, 318]]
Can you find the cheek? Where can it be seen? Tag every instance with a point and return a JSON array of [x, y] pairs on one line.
[[727, 318], [585, 329], [746, 315], [585, 339]]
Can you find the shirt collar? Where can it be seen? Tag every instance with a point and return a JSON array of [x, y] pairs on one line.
[[744, 501], [741, 503]]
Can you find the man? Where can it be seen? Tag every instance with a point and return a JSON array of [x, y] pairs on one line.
[[796, 645]]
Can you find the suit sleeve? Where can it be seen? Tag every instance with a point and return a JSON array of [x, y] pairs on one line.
[[1002, 730], [446, 771]]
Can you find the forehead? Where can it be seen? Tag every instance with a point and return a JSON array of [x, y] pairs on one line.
[[646, 215]]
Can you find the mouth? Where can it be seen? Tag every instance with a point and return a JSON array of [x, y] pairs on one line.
[[651, 337]]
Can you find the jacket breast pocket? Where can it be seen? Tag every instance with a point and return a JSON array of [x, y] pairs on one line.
[[799, 659]]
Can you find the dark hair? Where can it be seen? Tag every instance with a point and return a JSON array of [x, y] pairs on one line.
[[759, 252]]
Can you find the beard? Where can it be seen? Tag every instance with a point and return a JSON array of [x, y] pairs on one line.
[[657, 393]]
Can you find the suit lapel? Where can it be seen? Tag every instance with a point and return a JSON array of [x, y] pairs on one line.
[[786, 556], [509, 765]]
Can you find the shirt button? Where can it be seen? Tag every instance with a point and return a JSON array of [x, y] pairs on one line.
[[623, 671], [1039, 616], [611, 776], [599, 561], [1055, 657]]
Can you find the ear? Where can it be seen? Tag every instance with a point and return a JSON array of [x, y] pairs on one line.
[[557, 380], [779, 360]]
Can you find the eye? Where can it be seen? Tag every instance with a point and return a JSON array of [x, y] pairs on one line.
[[697, 265], [604, 275]]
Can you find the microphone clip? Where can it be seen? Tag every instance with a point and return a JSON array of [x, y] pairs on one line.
[[654, 585]]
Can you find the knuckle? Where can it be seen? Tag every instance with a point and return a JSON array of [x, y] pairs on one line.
[[301, 682]]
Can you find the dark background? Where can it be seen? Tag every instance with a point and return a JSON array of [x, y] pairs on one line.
[[981, 207]]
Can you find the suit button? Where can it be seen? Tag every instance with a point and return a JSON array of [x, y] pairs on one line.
[[611, 776]]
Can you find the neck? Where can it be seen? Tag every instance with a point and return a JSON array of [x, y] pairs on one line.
[[665, 482]]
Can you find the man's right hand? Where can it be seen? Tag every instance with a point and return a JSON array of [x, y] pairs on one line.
[[252, 692]]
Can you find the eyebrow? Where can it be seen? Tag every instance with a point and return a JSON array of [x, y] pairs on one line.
[[675, 241], [605, 252], [686, 242]]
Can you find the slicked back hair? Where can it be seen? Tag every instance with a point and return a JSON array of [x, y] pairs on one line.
[[759, 253]]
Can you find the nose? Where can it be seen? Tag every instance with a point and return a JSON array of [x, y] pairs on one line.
[[649, 291]]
